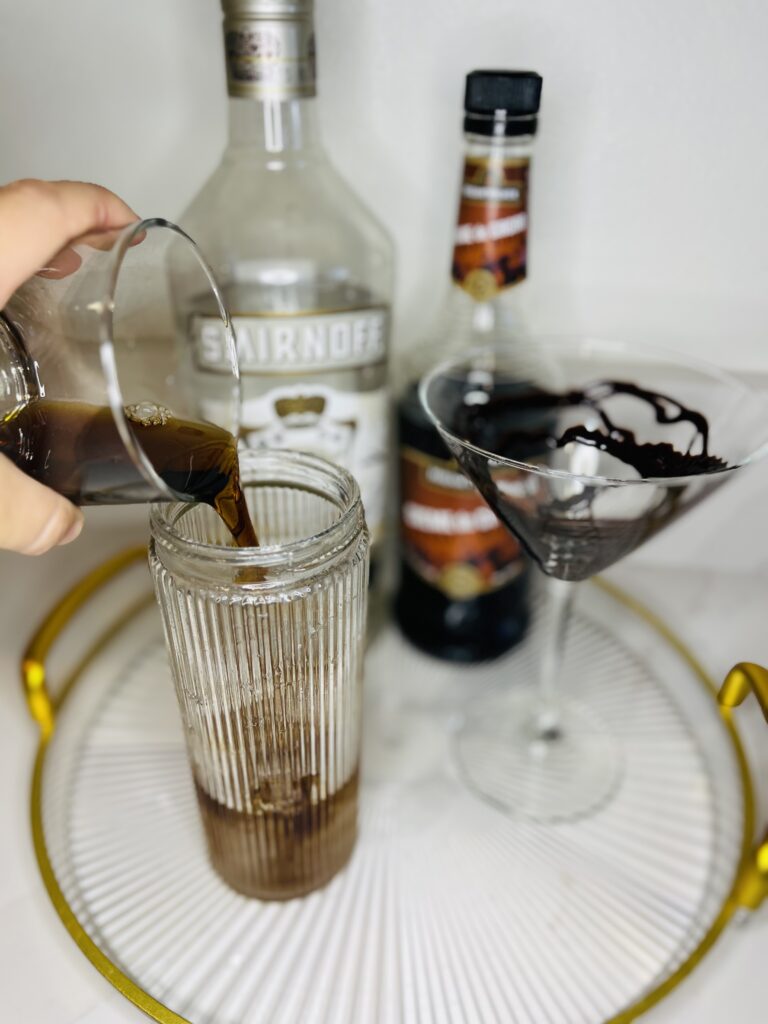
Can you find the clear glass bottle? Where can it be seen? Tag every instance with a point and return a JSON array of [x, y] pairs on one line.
[[305, 268], [463, 592]]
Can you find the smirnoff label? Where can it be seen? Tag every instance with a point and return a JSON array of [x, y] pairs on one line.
[[450, 537], [491, 234], [279, 345]]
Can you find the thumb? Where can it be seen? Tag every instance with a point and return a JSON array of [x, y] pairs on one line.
[[33, 518]]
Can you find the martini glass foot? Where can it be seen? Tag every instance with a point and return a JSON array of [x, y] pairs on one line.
[[534, 766]]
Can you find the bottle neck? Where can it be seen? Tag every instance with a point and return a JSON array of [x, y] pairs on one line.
[[270, 60], [285, 126], [490, 248], [498, 148]]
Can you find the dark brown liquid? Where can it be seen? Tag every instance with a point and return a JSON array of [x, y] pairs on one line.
[[76, 449], [289, 845]]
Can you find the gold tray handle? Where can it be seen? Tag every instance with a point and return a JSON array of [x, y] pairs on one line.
[[743, 679], [34, 678]]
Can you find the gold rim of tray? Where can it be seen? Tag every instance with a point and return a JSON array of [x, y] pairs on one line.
[[44, 709]]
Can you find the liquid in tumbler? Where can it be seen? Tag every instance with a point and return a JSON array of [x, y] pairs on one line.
[[294, 841], [268, 675]]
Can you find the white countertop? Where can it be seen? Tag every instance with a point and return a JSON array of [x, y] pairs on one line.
[[723, 615]]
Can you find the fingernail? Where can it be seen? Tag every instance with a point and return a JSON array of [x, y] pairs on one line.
[[73, 532]]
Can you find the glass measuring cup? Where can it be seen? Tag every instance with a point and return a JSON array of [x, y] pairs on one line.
[[93, 357]]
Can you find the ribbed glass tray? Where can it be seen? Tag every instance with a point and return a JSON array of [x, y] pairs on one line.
[[450, 911]]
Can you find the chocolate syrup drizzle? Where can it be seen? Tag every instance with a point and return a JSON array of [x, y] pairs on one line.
[[660, 459], [565, 533], [650, 459]]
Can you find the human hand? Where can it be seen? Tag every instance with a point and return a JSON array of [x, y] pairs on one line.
[[37, 220]]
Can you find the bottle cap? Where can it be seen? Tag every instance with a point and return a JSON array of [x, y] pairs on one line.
[[502, 102], [270, 49], [267, 8]]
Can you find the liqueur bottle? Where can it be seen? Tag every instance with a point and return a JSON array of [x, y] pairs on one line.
[[463, 592]]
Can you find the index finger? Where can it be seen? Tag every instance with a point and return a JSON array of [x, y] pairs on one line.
[[38, 218]]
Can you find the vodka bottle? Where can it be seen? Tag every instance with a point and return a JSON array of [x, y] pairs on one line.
[[306, 269]]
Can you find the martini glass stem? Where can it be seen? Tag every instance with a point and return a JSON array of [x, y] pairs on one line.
[[549, 714]]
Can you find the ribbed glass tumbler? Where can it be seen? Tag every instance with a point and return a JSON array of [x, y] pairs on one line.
[[266, 653]]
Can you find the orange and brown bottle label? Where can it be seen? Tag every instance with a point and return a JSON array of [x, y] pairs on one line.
[[450, 537], [491, 234]]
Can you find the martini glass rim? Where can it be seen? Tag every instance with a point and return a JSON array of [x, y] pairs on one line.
[[562, 343]]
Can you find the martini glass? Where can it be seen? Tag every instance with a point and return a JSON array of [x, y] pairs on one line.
[[584, 450]]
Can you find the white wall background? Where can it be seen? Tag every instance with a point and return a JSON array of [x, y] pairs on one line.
[[649, 212]]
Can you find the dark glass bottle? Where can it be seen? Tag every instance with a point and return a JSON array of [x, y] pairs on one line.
[[463, 592]]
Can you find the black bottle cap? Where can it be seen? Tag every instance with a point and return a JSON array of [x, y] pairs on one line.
[[502, 102]]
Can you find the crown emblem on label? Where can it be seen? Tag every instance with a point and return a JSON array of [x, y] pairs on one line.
[[481, 284], [300, 404]]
